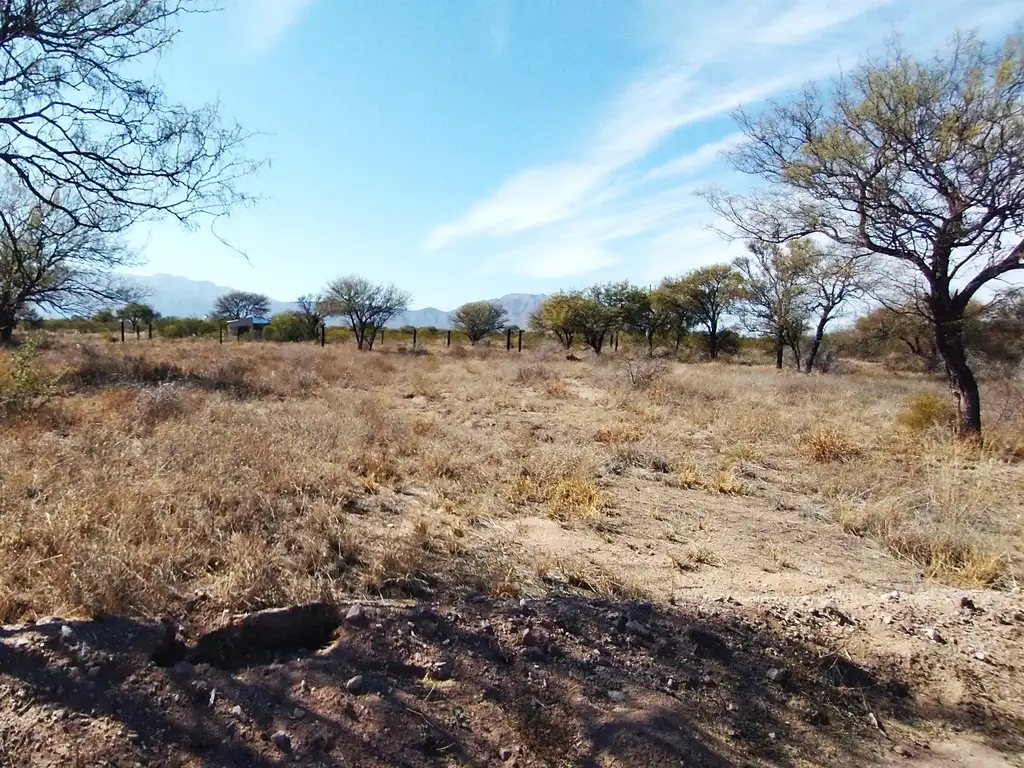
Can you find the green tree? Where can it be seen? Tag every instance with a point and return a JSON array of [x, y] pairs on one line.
[[237, 305], [310, 310], [479, 319], [915, 162], [671, 301], [560, 314], [776, 289], [137, 313], [636, 310], [287, 326], [712, 292]]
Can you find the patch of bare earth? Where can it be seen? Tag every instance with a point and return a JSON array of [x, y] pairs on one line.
[[725, 566]]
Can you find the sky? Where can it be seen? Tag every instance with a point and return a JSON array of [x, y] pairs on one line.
[[465, 150]]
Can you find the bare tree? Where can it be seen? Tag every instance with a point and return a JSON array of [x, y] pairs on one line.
[[479, 319], [836, 279], [367, 306], [920, 163], [47, 260], [236, 305], [76, 117]]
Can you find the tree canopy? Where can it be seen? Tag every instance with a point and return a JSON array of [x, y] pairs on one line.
[[479, 319], [367, 306], [919, 163], [236, 305]]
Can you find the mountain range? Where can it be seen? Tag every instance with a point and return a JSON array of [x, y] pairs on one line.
[[182, 297]]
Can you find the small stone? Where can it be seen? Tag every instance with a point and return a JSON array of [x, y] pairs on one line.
[[505, 754], [981, 656], [902, 751], [933, 635], [442, 671], [298, 713], [637, 629], [671, 684], [94, 671], [893, 596], [66, 632], [617, 696], [524, 604], [237, 710], [355, 685], [528, 638], [771, 735], [887, 620], [183, 668], [356, 615], [282, 740], [777, 675], [966, 602]]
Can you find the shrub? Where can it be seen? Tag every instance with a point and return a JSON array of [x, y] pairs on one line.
[[828, 445], [924, 412], [22, 387], [287, 326]]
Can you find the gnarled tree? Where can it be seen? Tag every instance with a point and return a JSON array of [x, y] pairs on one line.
[[48, 260], [920, 163], [75, 115], [366, 306]]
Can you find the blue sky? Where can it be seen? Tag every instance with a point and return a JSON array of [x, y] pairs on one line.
[[471, 148]]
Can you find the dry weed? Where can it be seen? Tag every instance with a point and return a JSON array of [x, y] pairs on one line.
[[830, 445]]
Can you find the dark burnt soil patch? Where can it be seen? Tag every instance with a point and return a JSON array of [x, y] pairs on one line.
[[561, 681]]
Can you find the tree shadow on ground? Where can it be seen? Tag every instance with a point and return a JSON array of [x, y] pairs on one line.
[[561, 681]]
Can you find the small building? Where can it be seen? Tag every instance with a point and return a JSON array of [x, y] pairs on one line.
[[244, 325]]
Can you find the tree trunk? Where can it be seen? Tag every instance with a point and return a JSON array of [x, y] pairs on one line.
[[779, 348], [950, 345], [7, 323], [713, 339], [796, 354], [812, 353]]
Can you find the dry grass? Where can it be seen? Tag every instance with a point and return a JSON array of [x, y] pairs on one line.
[[260, 474]]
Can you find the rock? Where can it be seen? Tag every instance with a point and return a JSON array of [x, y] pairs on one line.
[[183, 668], [355, 684], [298, 713], [94, 671], [933, 635], [671, 684], [67, 633], [356, 615], [617, 696], [529, 638], [300, 626], [981, 656], [505, 754], [282, 740], [637, 629], [893, 596], [524, 604], [902, 751], [213, 698], [777, 675], [236, 710], [966, 602], [442, 671]]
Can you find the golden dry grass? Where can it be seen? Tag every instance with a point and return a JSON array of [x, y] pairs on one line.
[[245, 475]]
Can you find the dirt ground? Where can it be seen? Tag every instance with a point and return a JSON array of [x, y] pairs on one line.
[[729, 567]]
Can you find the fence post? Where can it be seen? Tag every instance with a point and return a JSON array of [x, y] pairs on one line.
[[414, 338], [449, 338], [122, 331], [220, 333], [150, 330], [323, 334], [382, 336], [508, 339], [520, 339], [138, 332]]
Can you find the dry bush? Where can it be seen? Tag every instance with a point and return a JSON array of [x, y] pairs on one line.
[[532, 374], [925, 411], [623, 432], [644, 373], [696, 556], [830, 445]]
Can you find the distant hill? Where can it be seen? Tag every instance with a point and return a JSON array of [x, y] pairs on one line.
[[179, 296]]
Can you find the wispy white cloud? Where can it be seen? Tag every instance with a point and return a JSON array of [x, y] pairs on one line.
[[266, 21], [599, 207], [691, 162]]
